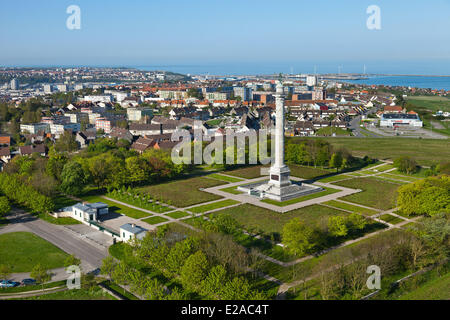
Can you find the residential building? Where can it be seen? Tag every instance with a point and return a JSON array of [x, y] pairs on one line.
[[34, 128], [130, 231], [139, 114]]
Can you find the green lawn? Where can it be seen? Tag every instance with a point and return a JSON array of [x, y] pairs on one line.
[[325, 192], [391, 219], [436, 289], [308, 172], [232, 190], [118, 208], [247, 172], [59, 221], [349, 207], [334, 178], [21, 251], [329, 131], [424, 151], [376, 193], [268, 222], [155, 220], [177, 214], [224, 178], [212, 206], [184, 193], [62, 201]]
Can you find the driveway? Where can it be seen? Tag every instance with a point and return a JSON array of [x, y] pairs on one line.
[[67, 240]]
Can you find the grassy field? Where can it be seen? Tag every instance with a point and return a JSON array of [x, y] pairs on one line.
[[247, 172], [391, 219], [184, 193], [308, 172], [177, 214], [376, 193], [267, 222], [435, 289], [59, 221], [21, 251], [118, 208], [329, 131], [224, 178], [334, 178], [212, 206], [349, 207], [424, 151], [325, 192], [155, 220]]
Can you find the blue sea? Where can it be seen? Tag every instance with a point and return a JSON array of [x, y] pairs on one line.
[[408, 81], [433, 82]]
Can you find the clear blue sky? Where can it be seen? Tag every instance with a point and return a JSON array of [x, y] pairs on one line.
[[281, 34]]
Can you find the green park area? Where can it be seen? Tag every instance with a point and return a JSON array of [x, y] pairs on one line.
[[246, 172], [330, 131], [376, 193], [155, 220], [425, 151], [350, 207], [22, 251], [213, 206], [268, 222], [305, 172], [183, 193], [224, 178]]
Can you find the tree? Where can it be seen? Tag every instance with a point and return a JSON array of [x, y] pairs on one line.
[[178, 255], [213, 284], [336, 161], [194, 270], [41, 274], [5, 271], [4, 206], [108, 266], [66, 142], [429, 196], [356, 222], [337, 226], [72, 261], [73, 178], [298, 237], [406, 165]]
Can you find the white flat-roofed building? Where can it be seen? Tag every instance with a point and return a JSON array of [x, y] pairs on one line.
[[102, 98], [130, 231], [400, 119], [86, 212], [34, 128], [59, 128], [136, 114]]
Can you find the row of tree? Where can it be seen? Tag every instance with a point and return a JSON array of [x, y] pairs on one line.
[[23, 194], [208, 264]]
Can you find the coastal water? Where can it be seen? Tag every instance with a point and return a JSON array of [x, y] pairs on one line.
[[433, 82], [408, 81]]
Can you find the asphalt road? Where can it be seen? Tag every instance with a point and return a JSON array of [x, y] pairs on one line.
[[68, 241]]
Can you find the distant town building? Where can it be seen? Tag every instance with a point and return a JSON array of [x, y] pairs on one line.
[[14, 84], [400, 119], [139, 114]]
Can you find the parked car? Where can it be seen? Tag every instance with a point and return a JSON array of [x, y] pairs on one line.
[[28, 282], [8, 284]]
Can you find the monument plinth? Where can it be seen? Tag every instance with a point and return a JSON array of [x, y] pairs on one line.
[[279, 187]]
